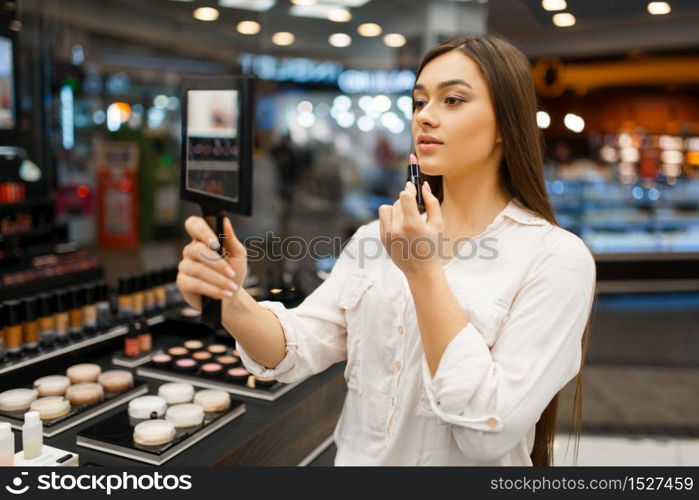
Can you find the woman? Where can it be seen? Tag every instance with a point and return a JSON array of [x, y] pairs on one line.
[[462, 325]]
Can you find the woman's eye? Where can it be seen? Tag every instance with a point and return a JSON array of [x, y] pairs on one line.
[[453, 100], [418, 104]]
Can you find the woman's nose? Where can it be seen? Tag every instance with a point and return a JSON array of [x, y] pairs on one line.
[[425, 117]]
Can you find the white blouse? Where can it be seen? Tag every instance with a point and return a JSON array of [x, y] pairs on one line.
[[526, 288]]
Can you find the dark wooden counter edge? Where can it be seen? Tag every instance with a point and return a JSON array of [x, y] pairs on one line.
[[295, 433]]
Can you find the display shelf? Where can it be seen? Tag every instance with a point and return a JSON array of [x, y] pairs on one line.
[[111, 333]]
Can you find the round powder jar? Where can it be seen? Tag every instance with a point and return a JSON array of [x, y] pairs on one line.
[[185, 415], [17, 399], [212, 401], [186, 365], [176, 392], [85, 393], [52, 385], [116, 380], [194, 345], [146, 407], [154, 432], [161, 359], [83, 372], [51, 407]]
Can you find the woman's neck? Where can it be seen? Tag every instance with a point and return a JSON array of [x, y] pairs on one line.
[[471, 201]]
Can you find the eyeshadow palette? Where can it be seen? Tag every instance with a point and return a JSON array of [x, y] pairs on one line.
[[117, 433], [214, 366], [77, 414]]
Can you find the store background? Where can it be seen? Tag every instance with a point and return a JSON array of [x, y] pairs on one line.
[[619, 108]]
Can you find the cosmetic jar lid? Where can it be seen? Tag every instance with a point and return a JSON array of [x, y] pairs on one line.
[[17, 399], [75, 298], [138, 282], [154, 432], [88, 293], [212, 400], [125, 286], [176, 392], [13, 313], [29, 304], [144, 406], [60, 300], [44, 306], [111, 378], [102, 291], [84, 372], [84, 391], [51, 407], [52, 385], [185, 415]]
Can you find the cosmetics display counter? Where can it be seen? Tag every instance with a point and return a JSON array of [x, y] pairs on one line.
[[252, 431]]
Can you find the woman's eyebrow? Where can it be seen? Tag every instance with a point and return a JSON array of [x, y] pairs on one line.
[[446, 83]]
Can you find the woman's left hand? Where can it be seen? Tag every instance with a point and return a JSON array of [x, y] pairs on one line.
[[412, 244]]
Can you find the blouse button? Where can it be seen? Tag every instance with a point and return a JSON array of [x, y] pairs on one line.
[[398, 366], [400, 330], [492, 422]]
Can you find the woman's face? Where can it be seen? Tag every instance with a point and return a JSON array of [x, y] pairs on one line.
[[453, 125]]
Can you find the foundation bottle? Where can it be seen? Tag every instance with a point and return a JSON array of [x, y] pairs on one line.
[[3, 351], [45, 313], [125, 297], [30, 324], [138, 295], [75, 308], [89, 309], [160, 289], [13, 328], [149, 292], [145, 339], [60, 315], [104, 314]]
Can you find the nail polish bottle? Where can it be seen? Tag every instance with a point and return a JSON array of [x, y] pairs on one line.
[[145, 339], [131, 345]]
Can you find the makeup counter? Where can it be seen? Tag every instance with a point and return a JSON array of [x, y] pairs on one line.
[[131, 376]]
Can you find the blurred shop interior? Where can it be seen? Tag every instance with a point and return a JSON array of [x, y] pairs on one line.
[[90, 138]]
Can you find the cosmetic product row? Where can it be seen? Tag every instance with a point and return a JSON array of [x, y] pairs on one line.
[[47, 319], [144, 293]]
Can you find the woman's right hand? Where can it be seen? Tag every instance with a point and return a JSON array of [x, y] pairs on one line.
[[202, 271]]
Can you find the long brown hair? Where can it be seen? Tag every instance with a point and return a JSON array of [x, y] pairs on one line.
[[508, 75]]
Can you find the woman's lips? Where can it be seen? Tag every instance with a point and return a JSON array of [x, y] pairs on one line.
[[426, 147]]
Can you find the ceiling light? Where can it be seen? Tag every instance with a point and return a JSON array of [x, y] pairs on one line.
[[304, 2], [340, 40], [574, 122], [346, 3], [659, 8], [248, 27], [283, 38], [394, 40], [339, 15], [564, 20], [553, 4], [205, 14], [543, 119], [256, 5], [369, 29]]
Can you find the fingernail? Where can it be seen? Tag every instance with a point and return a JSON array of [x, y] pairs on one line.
[[227, 293], [214, 244], [229, 272], [427, 185], [407, 184], [413, 159], [233, 286]]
